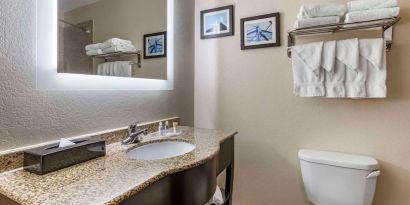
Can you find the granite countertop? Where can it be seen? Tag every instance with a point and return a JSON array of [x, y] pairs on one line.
[[110, 179]]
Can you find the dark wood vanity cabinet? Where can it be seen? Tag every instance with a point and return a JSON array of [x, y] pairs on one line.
[[194, 186], [226, 161]]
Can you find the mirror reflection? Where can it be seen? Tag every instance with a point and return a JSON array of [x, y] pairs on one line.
[[120, 38]]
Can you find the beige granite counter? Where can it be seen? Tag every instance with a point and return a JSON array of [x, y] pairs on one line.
[[110, 179]]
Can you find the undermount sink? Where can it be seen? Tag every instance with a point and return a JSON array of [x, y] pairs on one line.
[[161, 150]]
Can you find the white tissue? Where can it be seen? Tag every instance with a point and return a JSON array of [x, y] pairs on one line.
[[65, 143], [217, 198]]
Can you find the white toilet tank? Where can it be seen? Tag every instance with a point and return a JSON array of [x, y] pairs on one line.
[[332, 178]]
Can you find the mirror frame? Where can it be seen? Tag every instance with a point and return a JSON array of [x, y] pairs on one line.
[[48, 78]]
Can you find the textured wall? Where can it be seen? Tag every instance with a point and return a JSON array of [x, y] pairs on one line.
[[251, 91], [28, 116]]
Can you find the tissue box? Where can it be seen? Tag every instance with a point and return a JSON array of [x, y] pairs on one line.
[[46, 159]]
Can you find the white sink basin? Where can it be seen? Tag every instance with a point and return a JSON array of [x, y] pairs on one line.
[[160, 150]]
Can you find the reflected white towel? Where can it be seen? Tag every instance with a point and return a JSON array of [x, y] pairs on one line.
[[347, 53], [94, 52], [303, 23], [334, 71], [118, 68], [96, 46], [374, 14], [117, 41], [371, 4], [120, 48], [100, 69], [123, 69], [307, 73], [321, 10], [373, 59]]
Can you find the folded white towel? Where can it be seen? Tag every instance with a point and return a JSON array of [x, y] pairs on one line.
[[94, 52], [120, 48], [118, 41], [307, 73], [321, 10], [97, 46], [334, 71], [370, 4], [303, 23], [373, 59], [374, 14], [347, 53]]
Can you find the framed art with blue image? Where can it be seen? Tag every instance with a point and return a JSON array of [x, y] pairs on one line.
[[217, 22], [155, 45], [260, 31]]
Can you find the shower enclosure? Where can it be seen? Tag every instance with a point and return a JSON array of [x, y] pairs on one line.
[[72, 39]]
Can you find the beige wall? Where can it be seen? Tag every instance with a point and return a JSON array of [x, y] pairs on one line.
[[29, 116], [127, 19], [251, 91]]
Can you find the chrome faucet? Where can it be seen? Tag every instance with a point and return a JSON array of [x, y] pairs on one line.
[[134, 134]]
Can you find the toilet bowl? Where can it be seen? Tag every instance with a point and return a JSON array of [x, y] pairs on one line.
[[332, 178]]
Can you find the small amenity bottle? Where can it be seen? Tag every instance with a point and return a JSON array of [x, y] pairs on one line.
[[161, 129]]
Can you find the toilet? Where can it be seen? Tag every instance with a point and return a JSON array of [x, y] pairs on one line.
[[332, 178]]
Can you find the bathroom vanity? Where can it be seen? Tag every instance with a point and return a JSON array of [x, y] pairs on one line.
[[188, 179]]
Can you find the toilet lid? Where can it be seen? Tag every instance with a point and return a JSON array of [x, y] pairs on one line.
[[339, 159]]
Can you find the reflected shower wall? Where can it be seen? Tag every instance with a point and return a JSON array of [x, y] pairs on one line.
[[72, 40]]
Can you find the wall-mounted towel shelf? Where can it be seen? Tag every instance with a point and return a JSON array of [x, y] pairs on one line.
[[383, 24], [108, 56]]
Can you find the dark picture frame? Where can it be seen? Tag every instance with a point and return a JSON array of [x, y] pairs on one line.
[[146, 36], [229, 19], [261, 33]]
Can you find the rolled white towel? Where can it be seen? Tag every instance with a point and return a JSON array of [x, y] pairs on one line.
[[97, 46], [374, 14], [321, 10], [370, 4], [303, 23], [118, 41]]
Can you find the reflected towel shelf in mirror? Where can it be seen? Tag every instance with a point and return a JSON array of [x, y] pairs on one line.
[[109, 56], [383, 24]]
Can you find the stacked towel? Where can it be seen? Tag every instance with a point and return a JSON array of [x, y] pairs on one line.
[[319, 14], [367, 10], [362, 5], [118, 68], [110, 46]]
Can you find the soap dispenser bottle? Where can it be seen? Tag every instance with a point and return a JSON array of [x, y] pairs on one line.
[[166, 127], [161, 128]]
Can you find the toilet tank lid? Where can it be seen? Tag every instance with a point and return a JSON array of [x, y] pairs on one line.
[[339, 159]]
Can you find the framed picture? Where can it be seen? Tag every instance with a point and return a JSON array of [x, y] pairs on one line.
[[155, 45], [260, 31], [217, 22]]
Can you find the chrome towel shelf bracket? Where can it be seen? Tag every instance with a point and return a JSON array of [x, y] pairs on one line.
[[383, 24], [107, 57]]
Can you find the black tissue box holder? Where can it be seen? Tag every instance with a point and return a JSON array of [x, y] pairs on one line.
[[50, 158]]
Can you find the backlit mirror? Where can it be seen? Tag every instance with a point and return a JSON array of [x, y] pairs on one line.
[[118, 38]]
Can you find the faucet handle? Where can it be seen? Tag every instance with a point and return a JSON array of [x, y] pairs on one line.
[[132, 127]]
